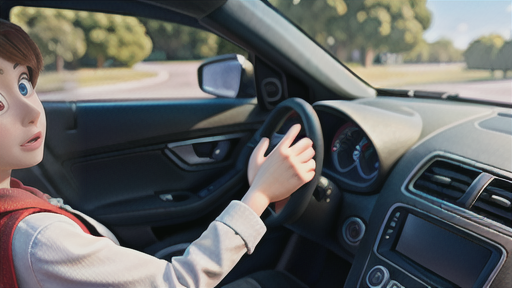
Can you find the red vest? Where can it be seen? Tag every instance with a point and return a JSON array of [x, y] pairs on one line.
[[17, 203]]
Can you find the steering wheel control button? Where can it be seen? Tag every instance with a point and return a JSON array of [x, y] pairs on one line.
[[323, 190], [394, 284], [378, 277], [353, 230]]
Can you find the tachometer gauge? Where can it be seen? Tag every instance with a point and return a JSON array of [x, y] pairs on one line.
[[353, 154]]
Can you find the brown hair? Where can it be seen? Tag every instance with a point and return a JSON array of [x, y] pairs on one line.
[[17, 47]]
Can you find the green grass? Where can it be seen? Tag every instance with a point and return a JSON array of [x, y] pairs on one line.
[[402, 75], [54, 81]]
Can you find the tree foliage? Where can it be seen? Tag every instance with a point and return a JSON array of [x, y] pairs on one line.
[[66, 35], [481, 53], [367, 25], [441, 51], [503, 59], [341, 26], [324, 13], [178, 42], [121, 38], [53, 31]]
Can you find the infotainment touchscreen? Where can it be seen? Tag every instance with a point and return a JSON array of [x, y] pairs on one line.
[[447, 254]]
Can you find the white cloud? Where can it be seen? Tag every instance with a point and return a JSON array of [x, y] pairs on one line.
[[509, 8], [462, 27]]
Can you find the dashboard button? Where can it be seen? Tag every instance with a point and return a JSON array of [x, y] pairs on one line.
[[353, 230], [394, 284], [377, 277]]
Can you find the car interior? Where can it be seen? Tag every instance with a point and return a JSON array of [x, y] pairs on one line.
[[411, 189]]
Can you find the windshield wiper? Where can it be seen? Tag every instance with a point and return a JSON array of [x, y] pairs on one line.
[[408, 93], [417, 93], [429, 94]]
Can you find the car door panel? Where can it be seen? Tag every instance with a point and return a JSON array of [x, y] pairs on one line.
[[90, 127], [126, 189], [115, 160]]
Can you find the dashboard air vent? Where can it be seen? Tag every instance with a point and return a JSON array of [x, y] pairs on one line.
[[446, 180], [495, 202]]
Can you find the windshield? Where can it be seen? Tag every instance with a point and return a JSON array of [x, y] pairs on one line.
[[457, 47]]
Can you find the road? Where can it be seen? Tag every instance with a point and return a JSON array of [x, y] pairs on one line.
[[179, 80], [173, 80]]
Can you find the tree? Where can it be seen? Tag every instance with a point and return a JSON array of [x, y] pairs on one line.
[[171, 39], [419, 54], [384, 25], [325, 13], [121, 38], [368, 25], [503, 59], [179, 42], [53, 31], [481, 53], [441, 51], [226, 47]]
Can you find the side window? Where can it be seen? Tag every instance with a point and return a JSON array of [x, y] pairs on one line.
[[97, 56]]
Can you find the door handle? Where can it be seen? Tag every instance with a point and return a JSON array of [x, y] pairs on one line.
[[203, 153], [204, 150]]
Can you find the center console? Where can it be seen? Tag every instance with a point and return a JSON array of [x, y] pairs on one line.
[[415, 249]]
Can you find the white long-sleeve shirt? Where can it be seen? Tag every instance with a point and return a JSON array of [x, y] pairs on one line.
[[50, 250]]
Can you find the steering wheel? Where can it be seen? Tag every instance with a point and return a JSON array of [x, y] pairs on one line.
[[311, 125]]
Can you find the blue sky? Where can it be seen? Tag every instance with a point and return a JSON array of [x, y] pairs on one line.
[[463, 21]]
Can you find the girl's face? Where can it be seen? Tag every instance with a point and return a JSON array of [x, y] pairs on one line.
[[22, 119]]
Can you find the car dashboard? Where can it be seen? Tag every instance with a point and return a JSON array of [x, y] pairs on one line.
[[419, 192]]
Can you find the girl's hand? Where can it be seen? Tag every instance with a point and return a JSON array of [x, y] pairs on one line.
[[282, 172]]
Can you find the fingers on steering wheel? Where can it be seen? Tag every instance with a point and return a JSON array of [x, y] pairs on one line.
[[306, 155], [306, 172], [290, 136], [303, 145], [312, 165], [309, 167], [260, 149]]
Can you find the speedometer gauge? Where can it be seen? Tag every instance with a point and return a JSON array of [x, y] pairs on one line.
[[353, 154]]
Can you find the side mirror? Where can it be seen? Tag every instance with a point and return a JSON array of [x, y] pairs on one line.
[[229, 75]]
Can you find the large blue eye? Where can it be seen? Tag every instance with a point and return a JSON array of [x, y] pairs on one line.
[[25, 87]]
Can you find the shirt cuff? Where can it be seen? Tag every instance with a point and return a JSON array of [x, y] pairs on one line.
[[244, 222]]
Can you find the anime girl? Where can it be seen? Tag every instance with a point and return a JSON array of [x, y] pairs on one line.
[[52, 245]]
